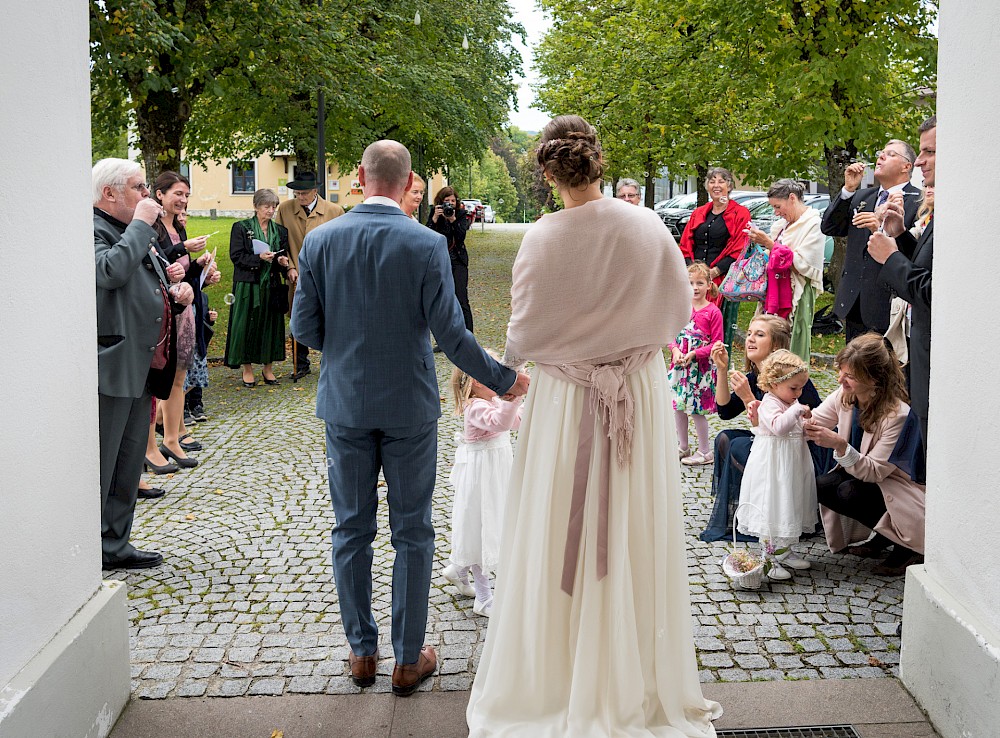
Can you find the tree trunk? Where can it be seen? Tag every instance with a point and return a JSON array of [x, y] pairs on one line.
[[701, 173], [836, 162], [160, 121], [650, 199]]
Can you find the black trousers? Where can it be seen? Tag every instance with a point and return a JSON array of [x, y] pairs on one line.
[[301, 356], [461, 274], [847, 495]]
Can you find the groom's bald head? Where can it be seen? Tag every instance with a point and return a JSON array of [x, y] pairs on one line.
[[385, 169]]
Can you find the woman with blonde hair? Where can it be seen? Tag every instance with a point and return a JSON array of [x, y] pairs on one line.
[[734, 391]]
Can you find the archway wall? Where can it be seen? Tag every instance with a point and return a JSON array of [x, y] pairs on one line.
[[951, 625], [62, 628]]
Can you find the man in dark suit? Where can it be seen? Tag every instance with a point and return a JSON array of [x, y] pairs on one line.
[[910, 278], [372, 287], [861, 302], [135, 305]]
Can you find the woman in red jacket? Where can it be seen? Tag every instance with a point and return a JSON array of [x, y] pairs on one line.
[[715, 236]]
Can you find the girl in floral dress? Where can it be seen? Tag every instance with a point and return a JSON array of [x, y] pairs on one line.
[[692, 373]]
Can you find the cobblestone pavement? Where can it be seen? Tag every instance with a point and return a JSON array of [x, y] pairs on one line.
[[245, 602]]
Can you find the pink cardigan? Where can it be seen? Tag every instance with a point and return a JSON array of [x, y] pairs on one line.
[[485, 419], [903, 521], [779, 281]]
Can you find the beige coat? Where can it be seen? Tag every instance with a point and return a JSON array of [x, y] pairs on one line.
[[903, 521], [293, 216]]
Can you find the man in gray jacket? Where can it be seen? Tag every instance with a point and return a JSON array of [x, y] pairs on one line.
[[135, 356]]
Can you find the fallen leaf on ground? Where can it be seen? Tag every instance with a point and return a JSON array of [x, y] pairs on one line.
[[872, 661], [299, 389], [278, 734], [189, 516], [218, 491]]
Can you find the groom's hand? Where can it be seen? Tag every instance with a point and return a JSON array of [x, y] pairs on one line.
[[519, 388]]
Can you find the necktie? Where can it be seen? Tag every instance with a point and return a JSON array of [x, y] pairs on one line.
[[882, 197]]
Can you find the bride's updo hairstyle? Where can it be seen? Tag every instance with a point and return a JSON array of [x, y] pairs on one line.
[[568, 151]]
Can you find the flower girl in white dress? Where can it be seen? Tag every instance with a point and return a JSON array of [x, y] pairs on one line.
[[480, 476], [778, 493]]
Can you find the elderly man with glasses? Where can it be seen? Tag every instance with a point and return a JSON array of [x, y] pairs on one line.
[[861, 301], [136, 348]]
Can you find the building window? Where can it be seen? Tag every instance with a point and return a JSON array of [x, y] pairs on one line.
[[243, 177]]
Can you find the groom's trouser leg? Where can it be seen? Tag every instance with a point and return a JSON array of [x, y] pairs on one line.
[[353, 461], [409, 458]]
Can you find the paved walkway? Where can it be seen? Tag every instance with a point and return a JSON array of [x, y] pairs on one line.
[[245, 603]]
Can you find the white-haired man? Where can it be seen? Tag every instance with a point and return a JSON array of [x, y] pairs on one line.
[[135, 345]]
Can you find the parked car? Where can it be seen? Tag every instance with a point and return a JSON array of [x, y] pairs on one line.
[[676, 207], [473, 209], [762, 216], [488, 215], [678, 219]]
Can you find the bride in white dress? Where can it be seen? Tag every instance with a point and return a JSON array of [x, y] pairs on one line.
[[590, 634]]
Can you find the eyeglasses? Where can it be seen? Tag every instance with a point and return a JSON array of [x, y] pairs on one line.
[[142, 186], [887, 153], [627, 196]]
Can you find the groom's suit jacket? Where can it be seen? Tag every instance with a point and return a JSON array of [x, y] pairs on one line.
[[372, 286]]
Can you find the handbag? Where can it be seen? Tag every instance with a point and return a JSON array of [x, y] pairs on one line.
[[746, 280]]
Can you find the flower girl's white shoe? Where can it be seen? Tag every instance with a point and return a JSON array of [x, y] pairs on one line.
[[483, 608], [777, 572], [451, 573], [792, 561]]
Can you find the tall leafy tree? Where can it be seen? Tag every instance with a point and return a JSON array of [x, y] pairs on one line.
[[783, 88], [227, 79], [492, 183]]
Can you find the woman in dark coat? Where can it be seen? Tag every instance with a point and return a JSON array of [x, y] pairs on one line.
[[449, 218], [172, 190], [257, 317]]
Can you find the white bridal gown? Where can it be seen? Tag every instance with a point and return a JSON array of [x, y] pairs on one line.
[[617, 657]]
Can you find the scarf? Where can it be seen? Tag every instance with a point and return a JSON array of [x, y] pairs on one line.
[[273, 239]]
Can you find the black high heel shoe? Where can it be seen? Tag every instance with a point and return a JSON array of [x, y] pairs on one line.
[[189, 463], [168, 468], [268, 381]]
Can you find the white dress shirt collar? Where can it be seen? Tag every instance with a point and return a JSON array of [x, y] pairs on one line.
[[381, 200]]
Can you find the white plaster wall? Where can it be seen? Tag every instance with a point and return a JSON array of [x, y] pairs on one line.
[[49, 470], [963, 495]]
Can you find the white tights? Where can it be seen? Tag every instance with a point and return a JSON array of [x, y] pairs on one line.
[[700, 428], [480, 582]]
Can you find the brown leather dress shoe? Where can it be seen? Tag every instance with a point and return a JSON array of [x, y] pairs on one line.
[[406, 678], [363, 669]]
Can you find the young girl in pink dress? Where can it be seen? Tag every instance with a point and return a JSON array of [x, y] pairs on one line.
[[692, 372], [483, 461]]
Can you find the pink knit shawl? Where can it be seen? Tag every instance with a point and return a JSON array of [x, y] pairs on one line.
[[596, 281]]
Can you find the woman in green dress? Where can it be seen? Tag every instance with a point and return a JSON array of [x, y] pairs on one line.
[[797, 228], [257, 316]]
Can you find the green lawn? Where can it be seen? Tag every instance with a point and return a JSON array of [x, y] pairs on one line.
[[220, 244], [491, 255]]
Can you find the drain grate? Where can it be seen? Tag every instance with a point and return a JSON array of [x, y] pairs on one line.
[[813, 731]]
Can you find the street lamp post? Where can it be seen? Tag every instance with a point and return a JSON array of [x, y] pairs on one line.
[[320, 136]]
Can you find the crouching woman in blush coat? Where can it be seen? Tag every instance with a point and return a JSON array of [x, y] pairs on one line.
[[871, 488]]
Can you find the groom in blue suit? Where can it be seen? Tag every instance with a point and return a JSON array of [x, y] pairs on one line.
[[373, 285]]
